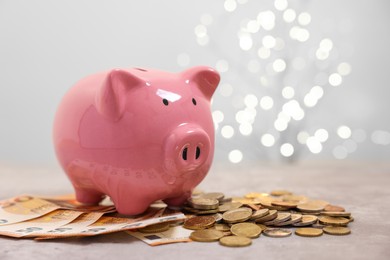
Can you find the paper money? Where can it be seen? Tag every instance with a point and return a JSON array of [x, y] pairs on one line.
[[173, 235], [70, 202], [80, 223], [24, 207], [41, 225]]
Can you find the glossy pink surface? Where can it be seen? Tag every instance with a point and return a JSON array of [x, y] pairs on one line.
[[137, 135]]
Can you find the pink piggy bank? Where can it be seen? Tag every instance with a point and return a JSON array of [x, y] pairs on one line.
[[137, 135]]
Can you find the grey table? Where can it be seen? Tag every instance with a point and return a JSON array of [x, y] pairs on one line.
[[362, 188]]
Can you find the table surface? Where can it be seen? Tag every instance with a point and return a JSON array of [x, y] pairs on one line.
[[362, 188]]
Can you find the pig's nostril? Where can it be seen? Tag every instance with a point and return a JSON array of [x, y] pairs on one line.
[[197, 152], [184, 154]]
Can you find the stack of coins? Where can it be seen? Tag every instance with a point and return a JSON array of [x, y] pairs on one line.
[[236, 221]]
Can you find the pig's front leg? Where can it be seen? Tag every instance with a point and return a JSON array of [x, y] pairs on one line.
[[178, 201], [88, 196]]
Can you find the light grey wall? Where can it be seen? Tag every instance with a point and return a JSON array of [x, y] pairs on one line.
[[46, 46]]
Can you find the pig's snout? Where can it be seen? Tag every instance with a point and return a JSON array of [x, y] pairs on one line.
[[188, 147]]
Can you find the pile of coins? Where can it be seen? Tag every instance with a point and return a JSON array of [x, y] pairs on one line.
[[236, 221]]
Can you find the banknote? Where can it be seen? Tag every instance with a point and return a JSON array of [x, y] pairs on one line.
[[41, 225], [175, 234], [110, 224], [24, 207], [70, 202], [80, 223]]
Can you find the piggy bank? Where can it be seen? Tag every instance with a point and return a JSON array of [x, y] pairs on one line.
[[137, 135]]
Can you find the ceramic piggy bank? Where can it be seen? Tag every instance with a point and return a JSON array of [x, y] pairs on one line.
[[137, 135]]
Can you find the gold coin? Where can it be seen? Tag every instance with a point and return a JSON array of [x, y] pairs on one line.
[[213, 195], [295, 218], [155, 228], [259, 213], [200, 203], [299, 199], [336, 214], [334, 208], [263, 227], [281, 217], [311, 207], [332, 230], [200, 211], [277, 232], [222, 227], [270, 216], [284, 204], [229, 206], [244, 200], [217, 216], [237, 215], [280, 193], [235, 241], [246, 230], [333, 221], [306, 220], [309, 232], [267, 203], [254, 195], [206, 235], [199, 222]]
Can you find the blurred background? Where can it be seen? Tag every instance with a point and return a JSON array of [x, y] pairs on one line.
[[301, 80]]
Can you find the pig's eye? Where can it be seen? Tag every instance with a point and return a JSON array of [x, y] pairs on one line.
[[194, 101], [165, 101]]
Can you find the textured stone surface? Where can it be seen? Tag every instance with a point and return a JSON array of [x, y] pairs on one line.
[[362, 188]]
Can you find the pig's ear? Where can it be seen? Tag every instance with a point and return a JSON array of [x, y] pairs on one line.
[[207, 79], [111, 96]]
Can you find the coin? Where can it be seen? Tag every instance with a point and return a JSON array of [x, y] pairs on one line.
[[237, 215], [311, 207], [272, 214], [309, 232], [333, 221], [295, 218], [332, 230], [277, 232], [222, 227], [267, 203], [253, 206], [281, 217], [200, 203], [285, 204], [213, 195], [206, 235], [217, 216], [155, 228], [334, 208], [336, 214], [299, 199], [244, 200], [263, 227], [306, 220], [254, 195], [229, 206], [235, 241], [246, 230], [199, 222], [280, 192], [318, 225], [201, 212], [259, 213]]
